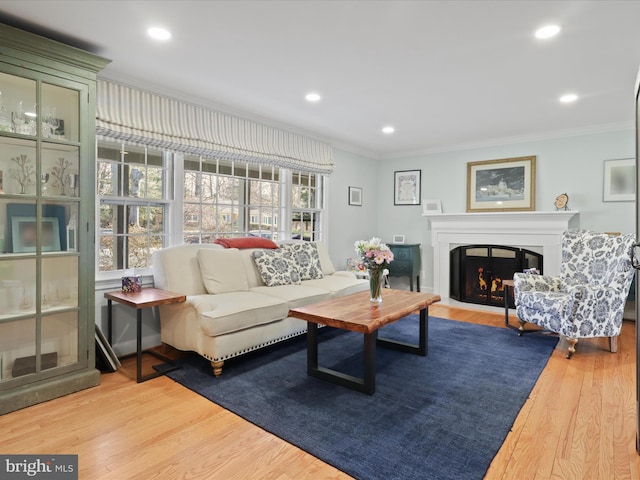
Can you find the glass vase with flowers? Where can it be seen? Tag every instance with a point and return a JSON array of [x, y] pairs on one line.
[[376, 256]]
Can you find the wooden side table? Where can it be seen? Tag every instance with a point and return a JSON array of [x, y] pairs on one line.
[[146, 298], [507, 286]]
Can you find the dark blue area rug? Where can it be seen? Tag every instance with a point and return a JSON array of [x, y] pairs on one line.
[[443, 416]]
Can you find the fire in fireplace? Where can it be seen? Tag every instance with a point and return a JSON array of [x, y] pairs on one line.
[[477, 271]]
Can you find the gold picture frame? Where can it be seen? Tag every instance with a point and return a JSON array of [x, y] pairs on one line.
[[503, 185]]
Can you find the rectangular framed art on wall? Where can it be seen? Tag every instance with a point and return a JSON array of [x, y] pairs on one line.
[[406, 188], [619, 180], [506, 184], [355, 196]]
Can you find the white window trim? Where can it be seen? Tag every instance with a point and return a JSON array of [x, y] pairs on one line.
[[174, 227]]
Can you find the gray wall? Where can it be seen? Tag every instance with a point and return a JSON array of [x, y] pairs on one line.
[[348, 223], [572, 165]]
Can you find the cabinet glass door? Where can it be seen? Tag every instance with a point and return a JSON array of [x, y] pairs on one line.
[[39, 211]]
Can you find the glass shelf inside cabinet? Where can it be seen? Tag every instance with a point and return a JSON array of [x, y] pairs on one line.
[[59, 113], [17, 105], [59, 288], [17, 342], [60, 338], [17, 287], [17, 166], [60, 169]]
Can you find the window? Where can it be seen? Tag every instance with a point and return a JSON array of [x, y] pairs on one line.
[[217, 198], [306, 206], [231, 199], [239, 199], [132, 186]]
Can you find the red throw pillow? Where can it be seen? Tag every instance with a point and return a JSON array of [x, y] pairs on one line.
[[245, 242]]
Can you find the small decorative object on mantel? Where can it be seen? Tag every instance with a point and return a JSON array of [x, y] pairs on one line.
[[562, 202], [376, 256], [23, 173], [431, 207]]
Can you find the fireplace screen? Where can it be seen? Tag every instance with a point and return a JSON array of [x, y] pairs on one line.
[[477, 272]]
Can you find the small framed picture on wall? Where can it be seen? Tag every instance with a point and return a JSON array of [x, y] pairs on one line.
[[619, 180], [406, 188], [355, 196]]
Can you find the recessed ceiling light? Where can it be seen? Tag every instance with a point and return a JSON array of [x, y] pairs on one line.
[[159, 33], [312, 97], [547, 31], [388, 129], [568, 98]]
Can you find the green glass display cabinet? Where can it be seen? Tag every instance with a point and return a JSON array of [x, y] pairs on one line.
[[47, 211]]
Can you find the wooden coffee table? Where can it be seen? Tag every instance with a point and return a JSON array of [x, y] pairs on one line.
[[355, 312]]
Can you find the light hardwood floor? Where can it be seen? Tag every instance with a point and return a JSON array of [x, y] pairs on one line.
[[579, 423]]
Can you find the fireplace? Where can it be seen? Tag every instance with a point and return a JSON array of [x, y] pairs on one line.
[[536, 230], [477, 271]]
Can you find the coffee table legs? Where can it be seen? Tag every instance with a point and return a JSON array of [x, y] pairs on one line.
[[421, 347], [366, 384]]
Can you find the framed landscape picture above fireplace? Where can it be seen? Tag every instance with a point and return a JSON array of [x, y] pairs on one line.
[[507, 184]]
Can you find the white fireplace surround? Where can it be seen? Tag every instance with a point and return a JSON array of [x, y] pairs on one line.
[[537, 231]]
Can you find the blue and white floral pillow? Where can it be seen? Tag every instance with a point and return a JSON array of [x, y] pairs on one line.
[[276, 267], [306, 258]]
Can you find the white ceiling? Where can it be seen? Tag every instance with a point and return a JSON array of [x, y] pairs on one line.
[[446, 74]]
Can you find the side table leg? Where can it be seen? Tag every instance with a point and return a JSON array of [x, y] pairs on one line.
[[109, 320], [139, 345], [506, 305]]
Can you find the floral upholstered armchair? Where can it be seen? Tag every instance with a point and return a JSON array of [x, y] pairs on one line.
[[587, 299]]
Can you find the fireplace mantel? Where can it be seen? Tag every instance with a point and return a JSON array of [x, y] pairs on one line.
[[538, 231]]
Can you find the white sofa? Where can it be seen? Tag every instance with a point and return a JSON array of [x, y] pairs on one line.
[[229, 309]]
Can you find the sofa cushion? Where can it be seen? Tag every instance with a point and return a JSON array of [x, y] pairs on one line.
[[222, 270], [235, 311], [276, 267], [295, 295], [245, 242], [306, 258], [325, 259], [177, 268], [338, 284]]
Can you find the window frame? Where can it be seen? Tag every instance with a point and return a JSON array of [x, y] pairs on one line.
[[173, 202], [123, 202]]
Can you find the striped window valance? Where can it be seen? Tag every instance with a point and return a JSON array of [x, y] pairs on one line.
[[128, 114]]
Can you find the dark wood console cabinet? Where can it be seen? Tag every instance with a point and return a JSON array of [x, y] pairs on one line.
[[406, 262]]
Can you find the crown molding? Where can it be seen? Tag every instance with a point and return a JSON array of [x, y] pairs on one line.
[[516, 139]]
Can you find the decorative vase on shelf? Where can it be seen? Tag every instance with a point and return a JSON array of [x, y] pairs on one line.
[[376, 279]]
